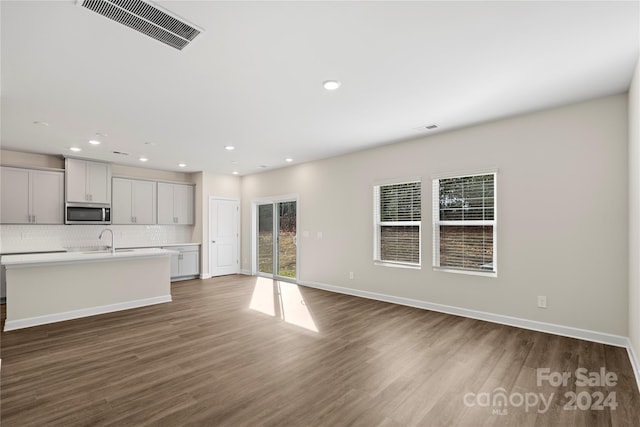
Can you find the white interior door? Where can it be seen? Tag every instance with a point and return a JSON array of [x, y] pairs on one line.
[[224, 217]]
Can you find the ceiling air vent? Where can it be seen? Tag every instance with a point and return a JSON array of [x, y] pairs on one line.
[[147, 19], [426, 127]]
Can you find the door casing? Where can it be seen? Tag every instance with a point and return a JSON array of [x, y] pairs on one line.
[[254, 236], [212, 237]]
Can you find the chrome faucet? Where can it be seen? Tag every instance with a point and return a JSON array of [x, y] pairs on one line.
[[113, 245]]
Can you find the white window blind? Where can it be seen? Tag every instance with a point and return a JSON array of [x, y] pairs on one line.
[[397, 220], [464, 223]]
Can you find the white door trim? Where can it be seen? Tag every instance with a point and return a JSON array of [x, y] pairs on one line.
[[254, 228], [212, 199]]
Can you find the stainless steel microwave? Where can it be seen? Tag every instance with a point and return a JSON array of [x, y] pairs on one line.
[[87, 213]]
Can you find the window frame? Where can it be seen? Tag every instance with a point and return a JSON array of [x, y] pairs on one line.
[[378, 224], [437, 223]]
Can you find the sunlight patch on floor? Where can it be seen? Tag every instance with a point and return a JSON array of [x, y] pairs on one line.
[[263, 298], [282, 300]]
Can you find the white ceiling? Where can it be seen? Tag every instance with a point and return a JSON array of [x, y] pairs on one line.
[[254, 78]]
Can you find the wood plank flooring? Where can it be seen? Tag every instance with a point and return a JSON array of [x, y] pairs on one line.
[[243, 351]]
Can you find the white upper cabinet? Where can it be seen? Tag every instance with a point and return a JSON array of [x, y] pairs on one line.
[[144, 202], [175, 203], [47, 197], [31, 196], [15, 196], [183, 203], [134, 201], [88, 181]]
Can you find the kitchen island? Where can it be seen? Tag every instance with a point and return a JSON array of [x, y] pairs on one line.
[[47, 288]]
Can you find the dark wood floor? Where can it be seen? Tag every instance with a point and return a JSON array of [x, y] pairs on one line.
[[241, 351]]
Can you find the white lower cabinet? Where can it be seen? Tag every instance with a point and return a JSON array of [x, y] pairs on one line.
[[185, 263]]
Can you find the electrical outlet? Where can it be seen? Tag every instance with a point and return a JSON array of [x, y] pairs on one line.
[[542, 301], [351, 275]]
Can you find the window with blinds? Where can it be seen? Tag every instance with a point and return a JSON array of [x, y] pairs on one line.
[[464, 223], [397, 220]]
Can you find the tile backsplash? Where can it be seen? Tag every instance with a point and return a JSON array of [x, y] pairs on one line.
[[26, 238]]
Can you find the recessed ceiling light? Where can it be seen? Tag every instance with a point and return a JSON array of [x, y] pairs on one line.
[[37, 122], [75, 149], [288, 160], [143, 159], [94, 142], [331, 84], [229, 147], [235, 172], [263, 166], [182, 165]]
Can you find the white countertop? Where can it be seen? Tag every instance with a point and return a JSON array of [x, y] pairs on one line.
[[12, 261], [17, 250], [163, 245]]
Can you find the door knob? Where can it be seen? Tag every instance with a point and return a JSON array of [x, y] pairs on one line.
[[213, 241]]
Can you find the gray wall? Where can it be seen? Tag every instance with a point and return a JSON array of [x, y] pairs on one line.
[[562, 215]]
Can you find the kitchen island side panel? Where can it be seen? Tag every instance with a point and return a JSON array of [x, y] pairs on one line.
[[71, 290]]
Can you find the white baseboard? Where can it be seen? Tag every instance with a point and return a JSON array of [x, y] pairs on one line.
[[205, 276], [246, 272], [566, 331], [11, 325], [635, 362]]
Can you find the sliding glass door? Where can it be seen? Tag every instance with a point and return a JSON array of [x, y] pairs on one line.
[[265, 239], [286, 247], [277, 239]]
